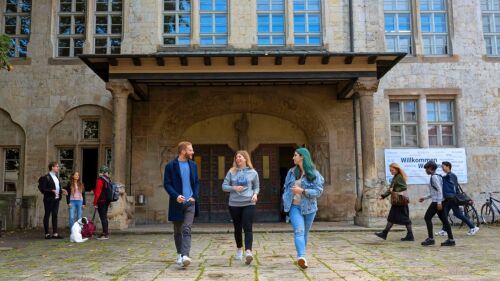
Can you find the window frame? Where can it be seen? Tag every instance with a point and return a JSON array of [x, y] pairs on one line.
[[18, 36], [72, 36], [90, 119], [493, 34], [397, 34], [109, 36], [177, 13], [439, 124], [3, 167], [270, 13], [306, 12], [402, 123], [60, 161], [433, 34], [214, 34]]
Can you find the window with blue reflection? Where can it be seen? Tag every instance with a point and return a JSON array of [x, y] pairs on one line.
[[270, 22], [307, 22], [176, 22], [108, 30], [213, 22], [17, 24]]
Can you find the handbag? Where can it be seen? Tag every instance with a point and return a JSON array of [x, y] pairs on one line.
[[89, 228], [462, 198], [398, 199]]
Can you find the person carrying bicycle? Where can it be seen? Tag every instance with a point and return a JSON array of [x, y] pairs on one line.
[[450, 185]]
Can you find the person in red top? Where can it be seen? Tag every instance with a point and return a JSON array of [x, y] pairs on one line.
[[100, 201]]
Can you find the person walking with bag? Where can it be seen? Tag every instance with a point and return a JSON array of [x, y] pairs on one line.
[[242, 183], [436, 206], [182, 185], [303, 186], [75, 198], [399, 213], [450, 192], [102, 199]]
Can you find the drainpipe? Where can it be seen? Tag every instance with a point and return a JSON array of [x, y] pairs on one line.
[[351, 28]]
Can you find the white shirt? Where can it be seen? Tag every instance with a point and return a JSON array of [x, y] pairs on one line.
[[56, 181]]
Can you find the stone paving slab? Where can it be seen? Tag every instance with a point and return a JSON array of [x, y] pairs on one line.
[[331, 256]]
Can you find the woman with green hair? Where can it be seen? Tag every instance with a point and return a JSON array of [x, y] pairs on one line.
[[303, 186]]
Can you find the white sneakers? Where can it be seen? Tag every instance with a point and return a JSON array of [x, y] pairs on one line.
[[248, 257], [239, 255], [183, 261], [441, 233], [302, 262], [473, 231]]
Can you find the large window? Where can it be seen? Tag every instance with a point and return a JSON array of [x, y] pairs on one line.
[[176, 22], [491, 26], [11, 168], [434, 27], [270, 22], [398, 27], [404, 123], [71, 27], [441, 126], [90, 130], [66, 163], [17, 24], [213, 22], [307, 22], [108, 26]]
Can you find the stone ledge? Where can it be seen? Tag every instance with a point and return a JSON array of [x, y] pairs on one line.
[[491, 59], [65, 61], [20, 61], [430, 59]]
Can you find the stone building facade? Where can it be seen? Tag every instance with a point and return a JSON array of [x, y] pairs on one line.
[[125, 107]]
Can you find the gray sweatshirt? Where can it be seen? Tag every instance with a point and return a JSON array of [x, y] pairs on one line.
[[435, 189], [246, 177]]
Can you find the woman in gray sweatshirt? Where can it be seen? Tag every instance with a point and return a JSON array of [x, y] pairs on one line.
[[242, 183]]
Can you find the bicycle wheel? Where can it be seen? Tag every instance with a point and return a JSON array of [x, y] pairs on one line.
[[471, 213], [487, 213]]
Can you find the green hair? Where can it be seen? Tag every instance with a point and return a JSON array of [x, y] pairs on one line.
[[308, 165]]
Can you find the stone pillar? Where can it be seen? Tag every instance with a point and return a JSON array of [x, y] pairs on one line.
[[289, 23], [367, 211], [120, 89], [195, 23], [121, 212], [423, 133]]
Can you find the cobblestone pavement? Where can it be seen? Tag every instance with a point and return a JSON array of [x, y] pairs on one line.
[[331, 256]]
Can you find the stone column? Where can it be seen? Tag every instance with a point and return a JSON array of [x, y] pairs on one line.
[[120, 89], [368, 209], [423, 133], [289, 23]]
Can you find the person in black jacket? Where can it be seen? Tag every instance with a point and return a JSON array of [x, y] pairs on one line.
[[52, 194]]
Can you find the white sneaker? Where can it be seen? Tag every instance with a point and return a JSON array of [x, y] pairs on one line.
[[473, 231], [302, 262], [179, 260], [441, 233], [248, 257], [239, 255], [185, 261]]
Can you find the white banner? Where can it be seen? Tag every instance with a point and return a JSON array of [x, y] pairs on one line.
[[413, 160]]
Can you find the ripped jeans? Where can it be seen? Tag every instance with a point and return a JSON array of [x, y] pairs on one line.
[[301, 225]]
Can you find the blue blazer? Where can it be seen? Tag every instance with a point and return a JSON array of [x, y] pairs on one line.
[[173, 185]]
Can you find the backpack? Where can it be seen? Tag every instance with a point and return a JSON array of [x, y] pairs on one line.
[[89, 228], [110, 191], [40, 179]]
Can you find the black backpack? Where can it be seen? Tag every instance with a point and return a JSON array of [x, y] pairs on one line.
[[40, 179], [110, 191]]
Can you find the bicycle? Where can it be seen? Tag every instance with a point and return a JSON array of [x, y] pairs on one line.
[[489, 208]]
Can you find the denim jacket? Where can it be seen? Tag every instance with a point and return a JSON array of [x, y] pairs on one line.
[[308, 202]]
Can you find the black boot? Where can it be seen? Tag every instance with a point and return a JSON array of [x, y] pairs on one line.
[[382, 234], [408, 237]]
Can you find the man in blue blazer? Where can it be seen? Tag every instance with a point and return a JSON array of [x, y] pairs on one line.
[[181, 183]]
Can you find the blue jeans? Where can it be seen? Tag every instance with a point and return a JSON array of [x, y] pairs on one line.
[[76, 205], [301, 225], [451, 204]]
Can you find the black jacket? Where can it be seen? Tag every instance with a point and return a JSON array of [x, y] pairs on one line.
[[47, 185], [68, 189]]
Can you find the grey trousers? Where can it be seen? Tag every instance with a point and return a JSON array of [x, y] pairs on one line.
[[182, 231]]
